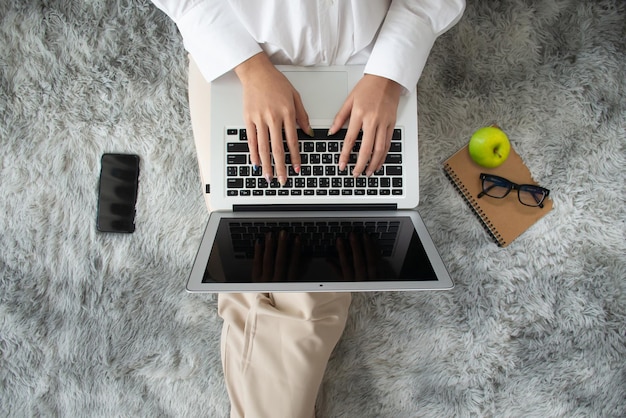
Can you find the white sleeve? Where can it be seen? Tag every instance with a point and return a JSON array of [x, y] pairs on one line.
[[212, 34], [407, 35]]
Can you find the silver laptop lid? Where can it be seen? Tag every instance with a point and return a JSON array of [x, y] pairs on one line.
[[317, 251]]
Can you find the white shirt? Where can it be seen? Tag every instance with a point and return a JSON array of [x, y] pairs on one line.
[[393, 38]]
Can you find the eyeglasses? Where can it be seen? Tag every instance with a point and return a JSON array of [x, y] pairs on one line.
[[499, 187]]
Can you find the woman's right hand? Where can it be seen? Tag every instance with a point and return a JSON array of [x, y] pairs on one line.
[[271, 104]]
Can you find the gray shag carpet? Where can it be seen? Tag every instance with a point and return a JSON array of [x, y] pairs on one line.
[[100, 325]]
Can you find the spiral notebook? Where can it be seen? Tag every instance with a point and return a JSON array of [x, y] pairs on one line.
[[504, 219]]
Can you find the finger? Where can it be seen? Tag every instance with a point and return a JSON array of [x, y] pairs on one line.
[[278, 152], [255, 160], [358, 257], [268, 258], [365, 152], [264, 152], [294, 264], [280, 266], [292, 143], [302, 118], [348, 142], [380, 149], [342, 116], [257, 261]]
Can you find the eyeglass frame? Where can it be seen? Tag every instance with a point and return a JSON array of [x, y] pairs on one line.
[[509, 185]]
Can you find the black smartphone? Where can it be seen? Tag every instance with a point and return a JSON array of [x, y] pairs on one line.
[[117, 194]]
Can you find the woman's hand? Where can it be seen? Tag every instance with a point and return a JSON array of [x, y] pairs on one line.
[[270, 105], [372, 107]]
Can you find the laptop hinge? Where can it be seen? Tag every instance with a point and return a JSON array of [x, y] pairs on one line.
[[325, 207]]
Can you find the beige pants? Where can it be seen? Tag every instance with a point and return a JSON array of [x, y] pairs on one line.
[[275, 346]]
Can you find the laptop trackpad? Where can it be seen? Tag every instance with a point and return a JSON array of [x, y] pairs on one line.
[[322, 92]]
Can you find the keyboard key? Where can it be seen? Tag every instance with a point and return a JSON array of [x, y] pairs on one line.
[[393, 159], [237, 147], [237, 159], [394, 170], [234, 183]]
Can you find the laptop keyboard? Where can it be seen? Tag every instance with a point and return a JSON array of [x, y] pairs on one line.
[[319, 172], [318, 237]]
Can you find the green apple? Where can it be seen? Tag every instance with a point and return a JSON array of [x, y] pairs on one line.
[[489, 146]]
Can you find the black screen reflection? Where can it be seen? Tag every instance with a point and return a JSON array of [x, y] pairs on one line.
[[320, 250]]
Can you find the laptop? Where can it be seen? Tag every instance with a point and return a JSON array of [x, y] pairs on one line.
[[324, 230]]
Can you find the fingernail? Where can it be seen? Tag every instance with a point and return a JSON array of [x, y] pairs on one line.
[[342, 166], [255, 167], [368, 173], [310, 132], [268, 178], [282, 180], [296, 168], [330, 132]]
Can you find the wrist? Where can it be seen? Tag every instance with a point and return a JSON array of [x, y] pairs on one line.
[[386, 84], [252, 66]]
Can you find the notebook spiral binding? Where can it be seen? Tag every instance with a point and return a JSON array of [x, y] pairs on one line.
[[487, 225]]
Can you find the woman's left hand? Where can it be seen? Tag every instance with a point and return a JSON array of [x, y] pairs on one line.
[[372, 107]]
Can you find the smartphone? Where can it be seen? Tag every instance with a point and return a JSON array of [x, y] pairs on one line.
[[117, 193]]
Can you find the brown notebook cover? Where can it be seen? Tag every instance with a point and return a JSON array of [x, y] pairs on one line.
[[504, 219]]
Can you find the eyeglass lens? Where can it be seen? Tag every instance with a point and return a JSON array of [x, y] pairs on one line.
[[496, 187], [531, 195]]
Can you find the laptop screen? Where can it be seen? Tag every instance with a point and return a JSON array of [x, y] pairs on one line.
[[328, 249]]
